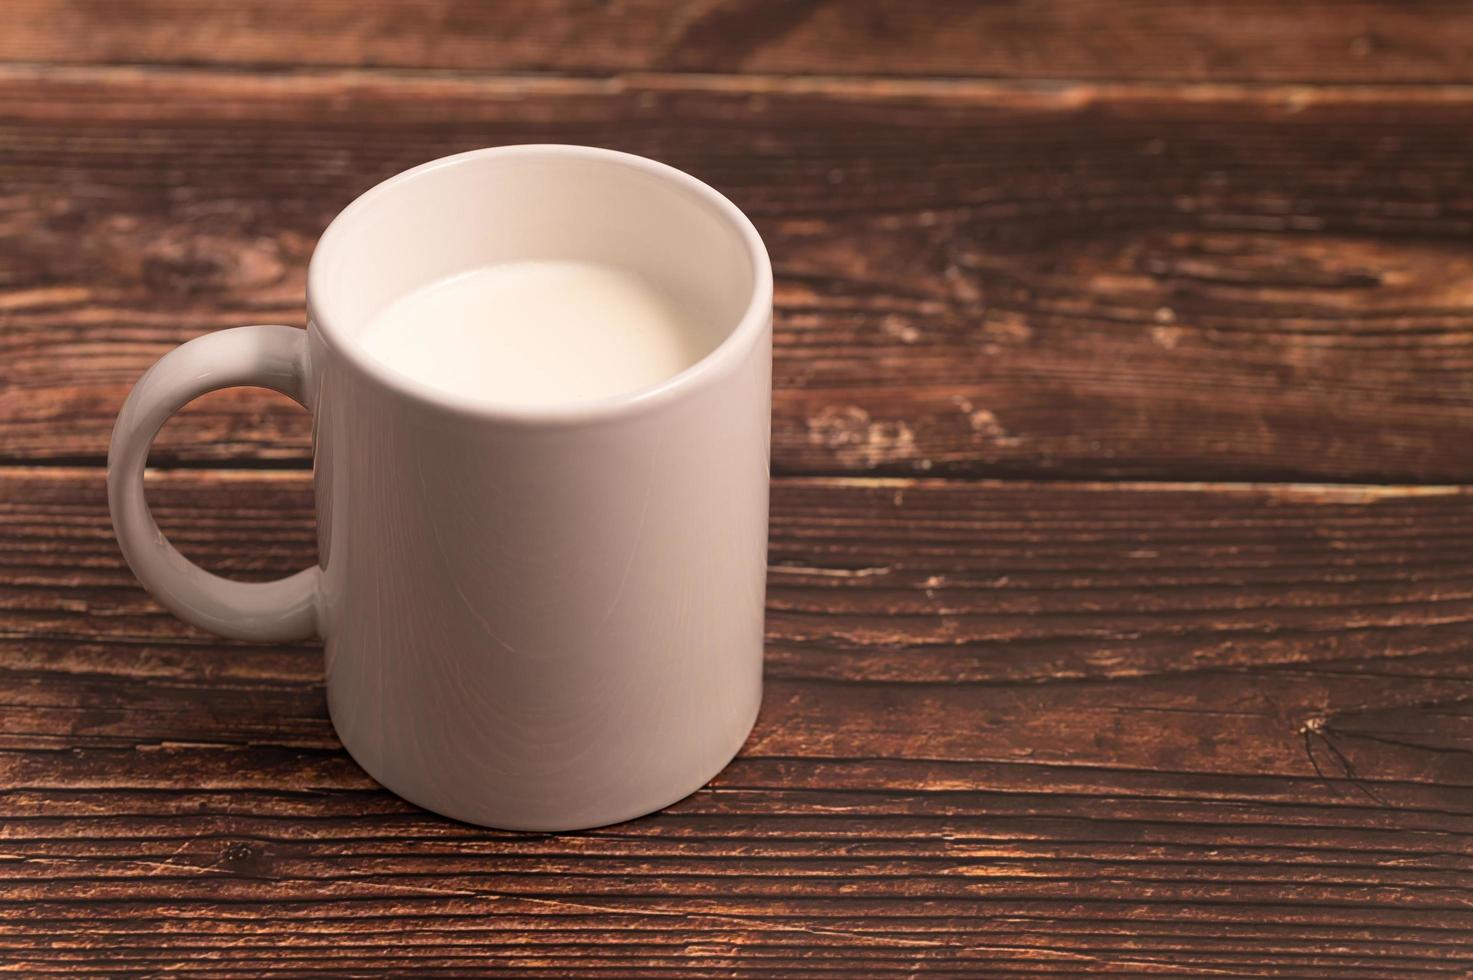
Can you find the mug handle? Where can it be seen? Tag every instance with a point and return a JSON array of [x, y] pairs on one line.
[[272, 357]]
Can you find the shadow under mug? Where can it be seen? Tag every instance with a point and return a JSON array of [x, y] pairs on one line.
[[534, 617]]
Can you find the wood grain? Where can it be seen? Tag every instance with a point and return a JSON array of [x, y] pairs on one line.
[[1010, 728], [1258, 40], [974, 279], [1043, 726]]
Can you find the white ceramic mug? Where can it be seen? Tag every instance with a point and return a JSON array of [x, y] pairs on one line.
[[537, 618]]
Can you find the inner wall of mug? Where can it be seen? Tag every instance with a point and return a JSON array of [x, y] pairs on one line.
[[550, 203]]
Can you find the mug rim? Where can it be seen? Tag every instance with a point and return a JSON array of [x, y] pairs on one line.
[[754, 321]]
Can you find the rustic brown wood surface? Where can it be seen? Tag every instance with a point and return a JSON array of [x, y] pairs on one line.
[[1008, 727], [973, 278], [1024, 715], [1244, 40]]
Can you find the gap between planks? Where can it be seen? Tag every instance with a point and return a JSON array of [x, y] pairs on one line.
[[1311, 492], [1346, 491], [1064, 94]]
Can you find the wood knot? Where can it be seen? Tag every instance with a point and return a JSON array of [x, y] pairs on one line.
[[854, 437], [244, 858], [202, 263]]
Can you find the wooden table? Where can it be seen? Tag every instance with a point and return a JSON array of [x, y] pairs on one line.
[[1120, 599]]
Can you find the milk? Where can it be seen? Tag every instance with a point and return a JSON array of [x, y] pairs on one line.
[[538, 333]]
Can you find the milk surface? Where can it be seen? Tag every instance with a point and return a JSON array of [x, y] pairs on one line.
[[538, 333]]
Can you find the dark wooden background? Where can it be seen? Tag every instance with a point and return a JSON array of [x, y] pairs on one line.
[[1120, 600]]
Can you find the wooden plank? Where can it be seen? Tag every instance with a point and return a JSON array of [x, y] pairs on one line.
[[1054, 728], [972, 279], [1259, 40]]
